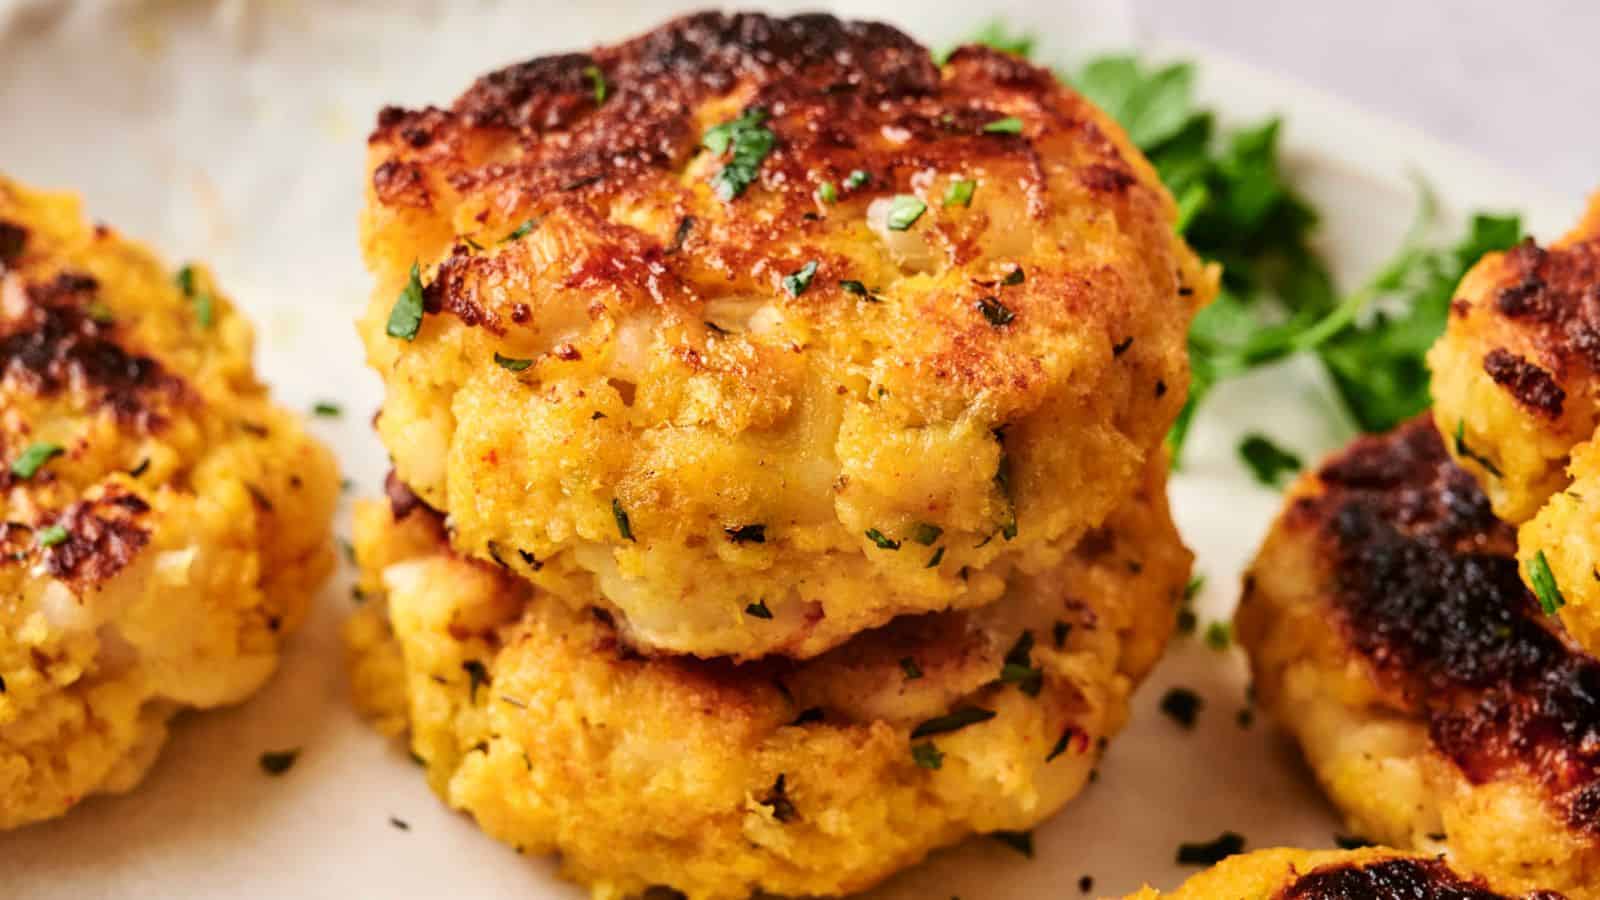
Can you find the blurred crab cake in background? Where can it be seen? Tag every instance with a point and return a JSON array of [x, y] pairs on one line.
[[772, 311], [1370, 874], [720, 779], [1390, 633], [163, 524]]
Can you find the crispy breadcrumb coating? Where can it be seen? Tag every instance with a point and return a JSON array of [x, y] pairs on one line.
[[1390, 633], [1369, 874], [709, 319], [162, 523], [720, 779]]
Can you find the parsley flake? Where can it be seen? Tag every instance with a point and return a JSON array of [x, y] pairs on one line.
[[1014, 277], [406, 316], [520, 232], [797, 282], [1269, 463], [959, 192], [856, 179], [1219, 636], [827, 193], [327, 409], [955, 720], [1018, 667], [596, 77], [1544, 584], [1007, 125], [758, 610], [50, 537], [747, 534], [279, 761], [624, 526], [1465, 452], [935, 559], [996, 312], [883, 541], [1062, 743], [904, 211], [34, 458], [927, 755], [778, 801], [511, 363], [749, 141], [926, 534], [477, 676]]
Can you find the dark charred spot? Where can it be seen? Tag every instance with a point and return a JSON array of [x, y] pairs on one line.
[[1427, 591], [13, 239], [1413, 879], [454, 289], [402, 500], [56, 344], [103, 536], [1532, 386], [1104, 179], [1554, 294], [401, 184]]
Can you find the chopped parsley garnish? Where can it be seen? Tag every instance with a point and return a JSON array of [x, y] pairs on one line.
[[1018, 667], [1062, 744], [882, 540], [1192, 590], [624, 526], [959, 193], [909, 666], [1269, 463], [50, 537], [927, 755], [747, 534], [955, 720], [1020, 841], [1059, 632], [520, 232], [758, 610], [1544, 584], [996, 312], [477, 676], [1210, 853], [279, 761], [778, 801], [935, 559], [749, 141], [406, 316], [511, 363], [1007, 125], [856, 179], [34, 458], [685, 225], [1219, 636], [1014, 277], [1182, 705], [204, 305], [827, 193], [1350, 842], [926, 534], [904, 211], [797, 282], [1465, 452], [1002, 481], [327, 409], [597, 78], [851, 286]]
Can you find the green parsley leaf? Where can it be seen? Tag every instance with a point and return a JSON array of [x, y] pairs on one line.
[[520, 232], [926, 534], [959, 193], [1062, 743], [327, 409], [51, 536], [1014, 277], [34, 458], [1465, 452], [797, 282], [927, 755], [1018, 667], [904, 211], [598, 79], [883, 541], [624, 527], [935, 559], [1267, 461], [749, 142], [955, 720], [856, 179], [1219, 636], [827, 193], [996, 312], [185, 280], [758, 610], [996, 35], [511, 363], [1007, 125], [1544, 584], [477, 676], [278, 762], [406, 316]]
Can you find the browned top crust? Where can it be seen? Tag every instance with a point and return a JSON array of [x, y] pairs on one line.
[[1427, 591], [1554, 295], [1399, 879]]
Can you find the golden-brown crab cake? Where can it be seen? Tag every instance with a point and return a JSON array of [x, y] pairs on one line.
[[162, 523], [720, 779], [1390, 633], [1370, 874], [1564, 540], [1516, 375], [778, 310]]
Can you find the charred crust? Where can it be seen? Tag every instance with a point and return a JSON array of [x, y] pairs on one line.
[[1426, 590], [55, 344], [1532, 386], [1554, 294], [401, 184], [1415, 879], [13, 240], [103, 536], [402, 500]]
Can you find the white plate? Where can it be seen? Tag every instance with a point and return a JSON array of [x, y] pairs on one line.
[[233, 132]]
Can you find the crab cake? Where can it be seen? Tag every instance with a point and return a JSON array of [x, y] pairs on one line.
[[1372, 874], [778, 311], [719, 779], [1516, 375], [1390, 633], [162, 524]]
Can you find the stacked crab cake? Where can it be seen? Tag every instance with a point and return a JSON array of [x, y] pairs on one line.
[[1390, 633], [1517, 382], [163, 523], [792, 406], [1372, 874]]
